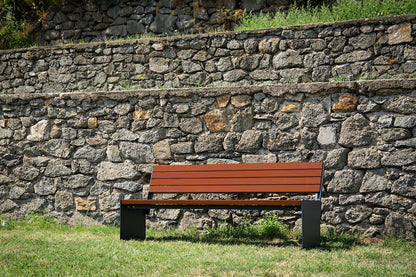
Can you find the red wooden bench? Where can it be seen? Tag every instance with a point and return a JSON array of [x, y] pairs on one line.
[[302, 177]]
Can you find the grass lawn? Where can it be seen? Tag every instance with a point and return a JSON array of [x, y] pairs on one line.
[[45, 248]]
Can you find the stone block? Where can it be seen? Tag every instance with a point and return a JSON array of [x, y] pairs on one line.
[[346, 181], [374, 181], [250, 142], [161, 150], [346, 103], [86, 204], [364, 158], [327, 136], [400, 33], [107, 171], [356, 131], [216, 121]]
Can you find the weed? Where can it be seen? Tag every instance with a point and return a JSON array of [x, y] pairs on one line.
[[340, 10]]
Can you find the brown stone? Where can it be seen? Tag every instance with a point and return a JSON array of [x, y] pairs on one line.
[[89, 204], [347, 103], [141, 115], [400, 33], [216, 121], [92, 122], [222, 101], [290, 109], [240, 101]]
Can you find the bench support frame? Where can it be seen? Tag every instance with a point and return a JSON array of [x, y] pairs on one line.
[[133, 219]]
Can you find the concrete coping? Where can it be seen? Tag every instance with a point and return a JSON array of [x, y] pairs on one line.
[[380, 87]]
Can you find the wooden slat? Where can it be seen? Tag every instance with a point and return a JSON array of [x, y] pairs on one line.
[[237, 174], [252, 166], [238, 181], [234, 189], [212, 202]]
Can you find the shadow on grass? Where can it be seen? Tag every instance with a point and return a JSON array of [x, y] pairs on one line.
[[330, 240]]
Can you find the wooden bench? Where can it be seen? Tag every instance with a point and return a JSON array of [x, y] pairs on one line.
[[302, 177]]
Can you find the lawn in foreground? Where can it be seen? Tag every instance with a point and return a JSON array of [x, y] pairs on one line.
[[50, 249]]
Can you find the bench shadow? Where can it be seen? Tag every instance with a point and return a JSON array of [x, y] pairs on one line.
[[327, 244]]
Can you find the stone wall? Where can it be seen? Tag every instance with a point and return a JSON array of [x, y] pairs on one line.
[[94, 20], [75, 155], [350, 50]]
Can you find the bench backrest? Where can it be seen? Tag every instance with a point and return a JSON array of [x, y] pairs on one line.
[[301, 177]]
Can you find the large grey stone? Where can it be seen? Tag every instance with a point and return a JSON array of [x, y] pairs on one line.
[[56, 148], [158, 65], [399, 225], [151, 136], [313, 115], [78, 181], [90, 153], [210, 143], [64, 201], [399, 157], [130, 186], [346, 181], [400, 104], [191, 125], [287, 59], [7, 206], [281, 141], [405, 121], [250, 142], [242, 120], [357, 214], [39, 131], [234, 75], [374, 181], [26, 173], [107, 171], [285, 121], [327, 136], [337, 158], [161, 150], [182, 148], [163, 23], [46, 186], [364, 158], [110, 202], [405, 185], [57, 168], [356, 131], [265, 158], [140, 153], [124, 134], [392, 134]]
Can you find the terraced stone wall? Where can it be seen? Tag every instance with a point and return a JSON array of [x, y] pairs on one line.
[[351, 50], [75, 155]]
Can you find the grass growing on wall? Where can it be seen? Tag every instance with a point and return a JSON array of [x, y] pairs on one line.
[[38, 246], [341, 10]]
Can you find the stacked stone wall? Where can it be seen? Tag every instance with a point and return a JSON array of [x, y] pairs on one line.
[[93, 20], [350, 50], [75, 155]]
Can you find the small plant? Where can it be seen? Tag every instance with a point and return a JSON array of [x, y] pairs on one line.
[[127, 85], [267, 228]]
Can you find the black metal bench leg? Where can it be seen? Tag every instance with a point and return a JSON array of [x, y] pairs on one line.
[[132, 223], [311, 219]]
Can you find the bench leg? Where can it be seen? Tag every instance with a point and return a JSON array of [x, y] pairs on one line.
[[311, 219], [132, 223]]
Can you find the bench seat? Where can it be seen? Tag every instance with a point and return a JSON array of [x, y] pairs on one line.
[[297, 178]]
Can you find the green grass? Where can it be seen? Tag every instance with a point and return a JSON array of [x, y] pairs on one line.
[[341, 10], [38, 246]]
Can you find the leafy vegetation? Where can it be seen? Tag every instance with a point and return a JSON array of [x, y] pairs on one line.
[[39, 246], [340, 10]]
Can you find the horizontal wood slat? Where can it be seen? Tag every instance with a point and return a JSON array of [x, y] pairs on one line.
[[238, 181], [234, 189], [237, 174], [212, 202], [252, 166]]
